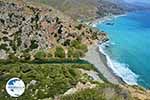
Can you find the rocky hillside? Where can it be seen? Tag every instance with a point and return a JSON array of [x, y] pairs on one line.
[[107, 7], [84, 9], [28, 27]]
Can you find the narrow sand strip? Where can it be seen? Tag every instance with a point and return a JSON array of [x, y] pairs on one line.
[[99, 61], [103, 19]]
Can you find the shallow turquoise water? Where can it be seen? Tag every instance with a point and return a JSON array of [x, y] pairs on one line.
[[129, 47]]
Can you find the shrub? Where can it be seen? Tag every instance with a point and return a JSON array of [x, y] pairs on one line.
[[4, 47], [52, 80], [85, 66], [40, 55], [49, 55], [79, 38], [67, 42], [78, 45], [26, 56], [87, 94], [34, 44], [82, 47], [94, 36], [78, 54], [79, 27], [19, 41], [13, 45], [12, 57], [60, 52], [73, 53], [70, 52], [5, 39], [75, 43]]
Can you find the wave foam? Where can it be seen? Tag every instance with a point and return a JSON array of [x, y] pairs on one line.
[[94, 25], [120, 69]]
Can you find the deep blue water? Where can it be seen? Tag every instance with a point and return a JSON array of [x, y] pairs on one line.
[[129, 46]]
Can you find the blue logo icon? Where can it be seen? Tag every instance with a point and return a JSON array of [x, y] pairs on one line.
[[15, 87]]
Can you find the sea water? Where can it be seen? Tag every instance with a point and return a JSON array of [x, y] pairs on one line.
[[128, 51]]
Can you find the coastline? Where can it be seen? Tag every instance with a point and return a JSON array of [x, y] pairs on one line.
[[100, 62], [98, 59], [105, 61], [127, 76], [103, 19], [107, 72]]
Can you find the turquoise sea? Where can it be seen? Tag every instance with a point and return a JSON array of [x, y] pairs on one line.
[[128, 51]]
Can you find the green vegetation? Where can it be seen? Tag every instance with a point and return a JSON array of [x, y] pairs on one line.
[[88, 94], [16, 42], [74, 53], [26, 56], [101, 92], [75, 43], [77, 49], [79, 27], [71, 52], [67, 42], [34, 44], [60, 53], [78, 45], [40, 55], [19, 41], [94, 36], [51, 79], [12, 57], [5, 39], [78, 53], [4, 47]]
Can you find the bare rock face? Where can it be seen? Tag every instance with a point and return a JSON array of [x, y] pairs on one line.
[[3, 54], [27, 27], [80, 86]]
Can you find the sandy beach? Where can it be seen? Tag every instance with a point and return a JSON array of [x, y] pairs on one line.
[[99, 61], [103, 19]]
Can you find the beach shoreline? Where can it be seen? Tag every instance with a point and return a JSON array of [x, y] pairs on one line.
[[103, 19], [98, 59]]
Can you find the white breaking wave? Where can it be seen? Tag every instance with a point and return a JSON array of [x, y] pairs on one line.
[[94, 25], [120, 69]]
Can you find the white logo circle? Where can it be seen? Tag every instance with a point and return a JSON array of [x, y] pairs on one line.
[[15, 87]]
